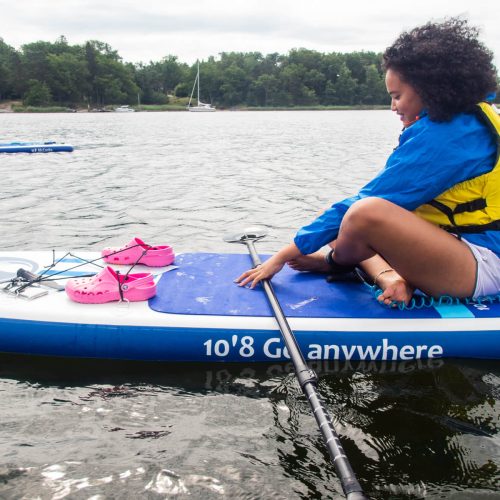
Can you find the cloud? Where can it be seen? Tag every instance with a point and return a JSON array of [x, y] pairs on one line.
[[191, 29]]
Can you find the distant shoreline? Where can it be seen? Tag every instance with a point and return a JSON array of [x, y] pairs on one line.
[[17, 107]]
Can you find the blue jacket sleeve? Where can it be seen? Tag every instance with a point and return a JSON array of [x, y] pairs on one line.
[[431, 157]]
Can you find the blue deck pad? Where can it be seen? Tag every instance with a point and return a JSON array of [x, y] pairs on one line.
[[204, 284]]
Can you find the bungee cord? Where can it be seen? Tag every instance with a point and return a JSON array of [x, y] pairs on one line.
[[425, 301], [25, 279], [422, 301]]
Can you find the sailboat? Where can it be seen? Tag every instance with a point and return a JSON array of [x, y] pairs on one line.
[[201, 106]]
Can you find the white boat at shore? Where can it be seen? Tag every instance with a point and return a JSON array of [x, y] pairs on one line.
[[124, 109], [201, 106]]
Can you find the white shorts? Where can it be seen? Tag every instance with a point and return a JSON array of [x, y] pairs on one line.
[[488, 271]]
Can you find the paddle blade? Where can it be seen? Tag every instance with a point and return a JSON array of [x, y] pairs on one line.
[[252, 233]]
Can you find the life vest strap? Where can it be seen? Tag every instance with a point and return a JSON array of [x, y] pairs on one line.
[[479, 228], [470, 206], [443, 208]]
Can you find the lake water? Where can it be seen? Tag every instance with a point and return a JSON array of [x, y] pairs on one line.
[[95, 430]]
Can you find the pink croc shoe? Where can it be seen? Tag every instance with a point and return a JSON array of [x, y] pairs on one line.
[[138, 252], [109, 285]]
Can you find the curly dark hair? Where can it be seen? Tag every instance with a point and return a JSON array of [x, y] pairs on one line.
[[446, 64]]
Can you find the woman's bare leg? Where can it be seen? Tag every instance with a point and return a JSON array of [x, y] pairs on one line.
[[426, 256], [394, 286]]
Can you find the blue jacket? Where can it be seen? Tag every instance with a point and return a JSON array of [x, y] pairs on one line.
[[431, 157]]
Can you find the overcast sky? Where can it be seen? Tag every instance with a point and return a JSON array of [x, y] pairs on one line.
[[148, 30]]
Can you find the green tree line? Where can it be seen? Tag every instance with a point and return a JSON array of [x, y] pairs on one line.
[[44, 73]]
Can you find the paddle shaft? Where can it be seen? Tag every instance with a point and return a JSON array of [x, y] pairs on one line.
[[308, 381]]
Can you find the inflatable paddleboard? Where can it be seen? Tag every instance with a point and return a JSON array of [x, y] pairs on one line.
[[199, 314], [35, 147]]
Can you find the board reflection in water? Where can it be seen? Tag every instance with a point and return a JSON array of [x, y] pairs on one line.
[[412, 428]]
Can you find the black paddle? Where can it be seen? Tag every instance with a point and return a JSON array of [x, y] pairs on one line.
[[307, 378]]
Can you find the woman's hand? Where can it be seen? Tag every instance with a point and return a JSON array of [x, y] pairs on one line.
[[263, 271], [269, 268]]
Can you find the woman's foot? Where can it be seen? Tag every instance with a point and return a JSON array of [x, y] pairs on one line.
[[394, 289], [314, 262]]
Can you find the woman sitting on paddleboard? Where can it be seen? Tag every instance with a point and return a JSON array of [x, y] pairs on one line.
[[431, 218]]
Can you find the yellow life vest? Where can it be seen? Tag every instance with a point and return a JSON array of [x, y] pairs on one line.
[[471, 206]]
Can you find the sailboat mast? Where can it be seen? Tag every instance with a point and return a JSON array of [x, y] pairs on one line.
[[198, 77], [192, 91]]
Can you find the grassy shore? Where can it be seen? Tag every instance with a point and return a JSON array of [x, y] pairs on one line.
[[19, 108], [309, 108]]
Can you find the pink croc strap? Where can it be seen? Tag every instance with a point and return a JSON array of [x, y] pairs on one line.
[[131, 281]]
